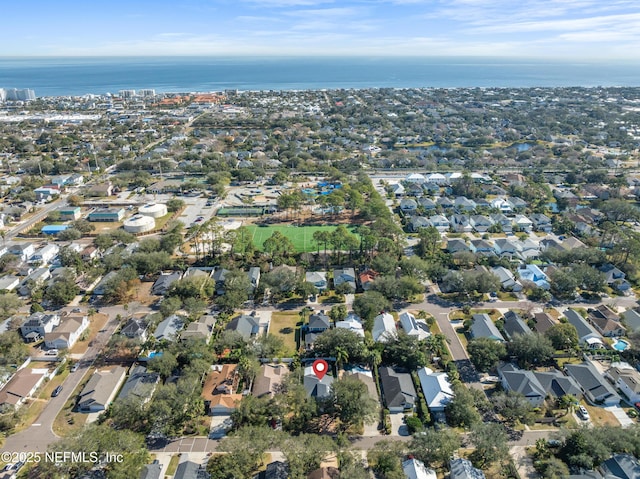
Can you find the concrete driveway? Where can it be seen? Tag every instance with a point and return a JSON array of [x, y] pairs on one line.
[[621, 416]]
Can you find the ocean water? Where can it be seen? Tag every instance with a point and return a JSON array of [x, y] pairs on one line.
[[77, 76]]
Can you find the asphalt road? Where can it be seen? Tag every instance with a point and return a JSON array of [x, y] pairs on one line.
[[40, 435]]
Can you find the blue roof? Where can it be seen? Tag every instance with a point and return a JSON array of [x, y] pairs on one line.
[[53, 229]]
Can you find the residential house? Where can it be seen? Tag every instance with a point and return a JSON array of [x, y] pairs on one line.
[[254, 277], [460, 223], [101, 389], [9, 282], [626, 378], [587, 335], [616, 278], [440, 222], [414, 469], [463, 469], [140, 385], [365, 376], [523, 382], [506, 247], [631, 319], [45, 254], [89, 253], [416, 223], [202, 329], [437, 179], [190, 470], [541, 222], [455, 245], [344, 275], [558, 385], [594, 386], [46, 194], [543, 321], [38, 324], [163, 283], [367, 277], [481, 247], [483, 327], [274, 470], [397, 390], [528, 250], [427, 204], [445, 203], [269, 379], [22, 250], [352, 323], [324, 473], [507, 279], [480, 223], [463, 204], [168, 328], [316, 387], [415, 178], [621, 466], [35, 279], [247, 325], [436, 389], [413, 326], [397, 190], [505, 223], [408, 205], [318, 323], [68, 333], [318, 279], [518, 204], [515, 325], [502, 205], [151, 471], [533, 274], [219, 390], [20, 387], [100, 190], [135, 329], [384, 328], [606, 322], [523, 223]]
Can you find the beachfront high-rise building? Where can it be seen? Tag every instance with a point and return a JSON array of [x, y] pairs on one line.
[[147, 93], [17, 94], [127, 93]]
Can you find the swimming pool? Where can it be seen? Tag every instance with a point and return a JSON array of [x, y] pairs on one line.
[[620, 345]]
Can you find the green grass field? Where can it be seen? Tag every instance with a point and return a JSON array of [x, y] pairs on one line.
[[300, 236]]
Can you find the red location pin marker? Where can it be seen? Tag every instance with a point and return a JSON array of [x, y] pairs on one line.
[[320, 368]]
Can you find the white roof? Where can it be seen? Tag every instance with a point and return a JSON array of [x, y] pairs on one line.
[[415, 469], [436, 388], [384, 327], [351, 324], [414, 327]]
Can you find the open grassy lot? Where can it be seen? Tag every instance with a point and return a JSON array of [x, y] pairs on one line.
[[300, 236], [286, 325]]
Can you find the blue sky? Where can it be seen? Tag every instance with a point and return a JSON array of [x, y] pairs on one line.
[[588, 29]]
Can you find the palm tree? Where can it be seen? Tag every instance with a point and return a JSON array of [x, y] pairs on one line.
[[342, 356]]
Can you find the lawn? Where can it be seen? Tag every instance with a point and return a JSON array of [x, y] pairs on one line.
[[300, 236], [285, 326]]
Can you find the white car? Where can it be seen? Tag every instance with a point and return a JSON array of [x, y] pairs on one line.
[[584, 414]]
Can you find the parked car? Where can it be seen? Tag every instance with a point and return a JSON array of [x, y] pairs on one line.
[[51, 352], [56, 391], [75, 367], [583, 413]]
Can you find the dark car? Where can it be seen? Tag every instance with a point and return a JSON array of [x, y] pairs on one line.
[[56, 391]]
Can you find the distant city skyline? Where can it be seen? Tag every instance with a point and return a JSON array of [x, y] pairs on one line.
[[578, 29]]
